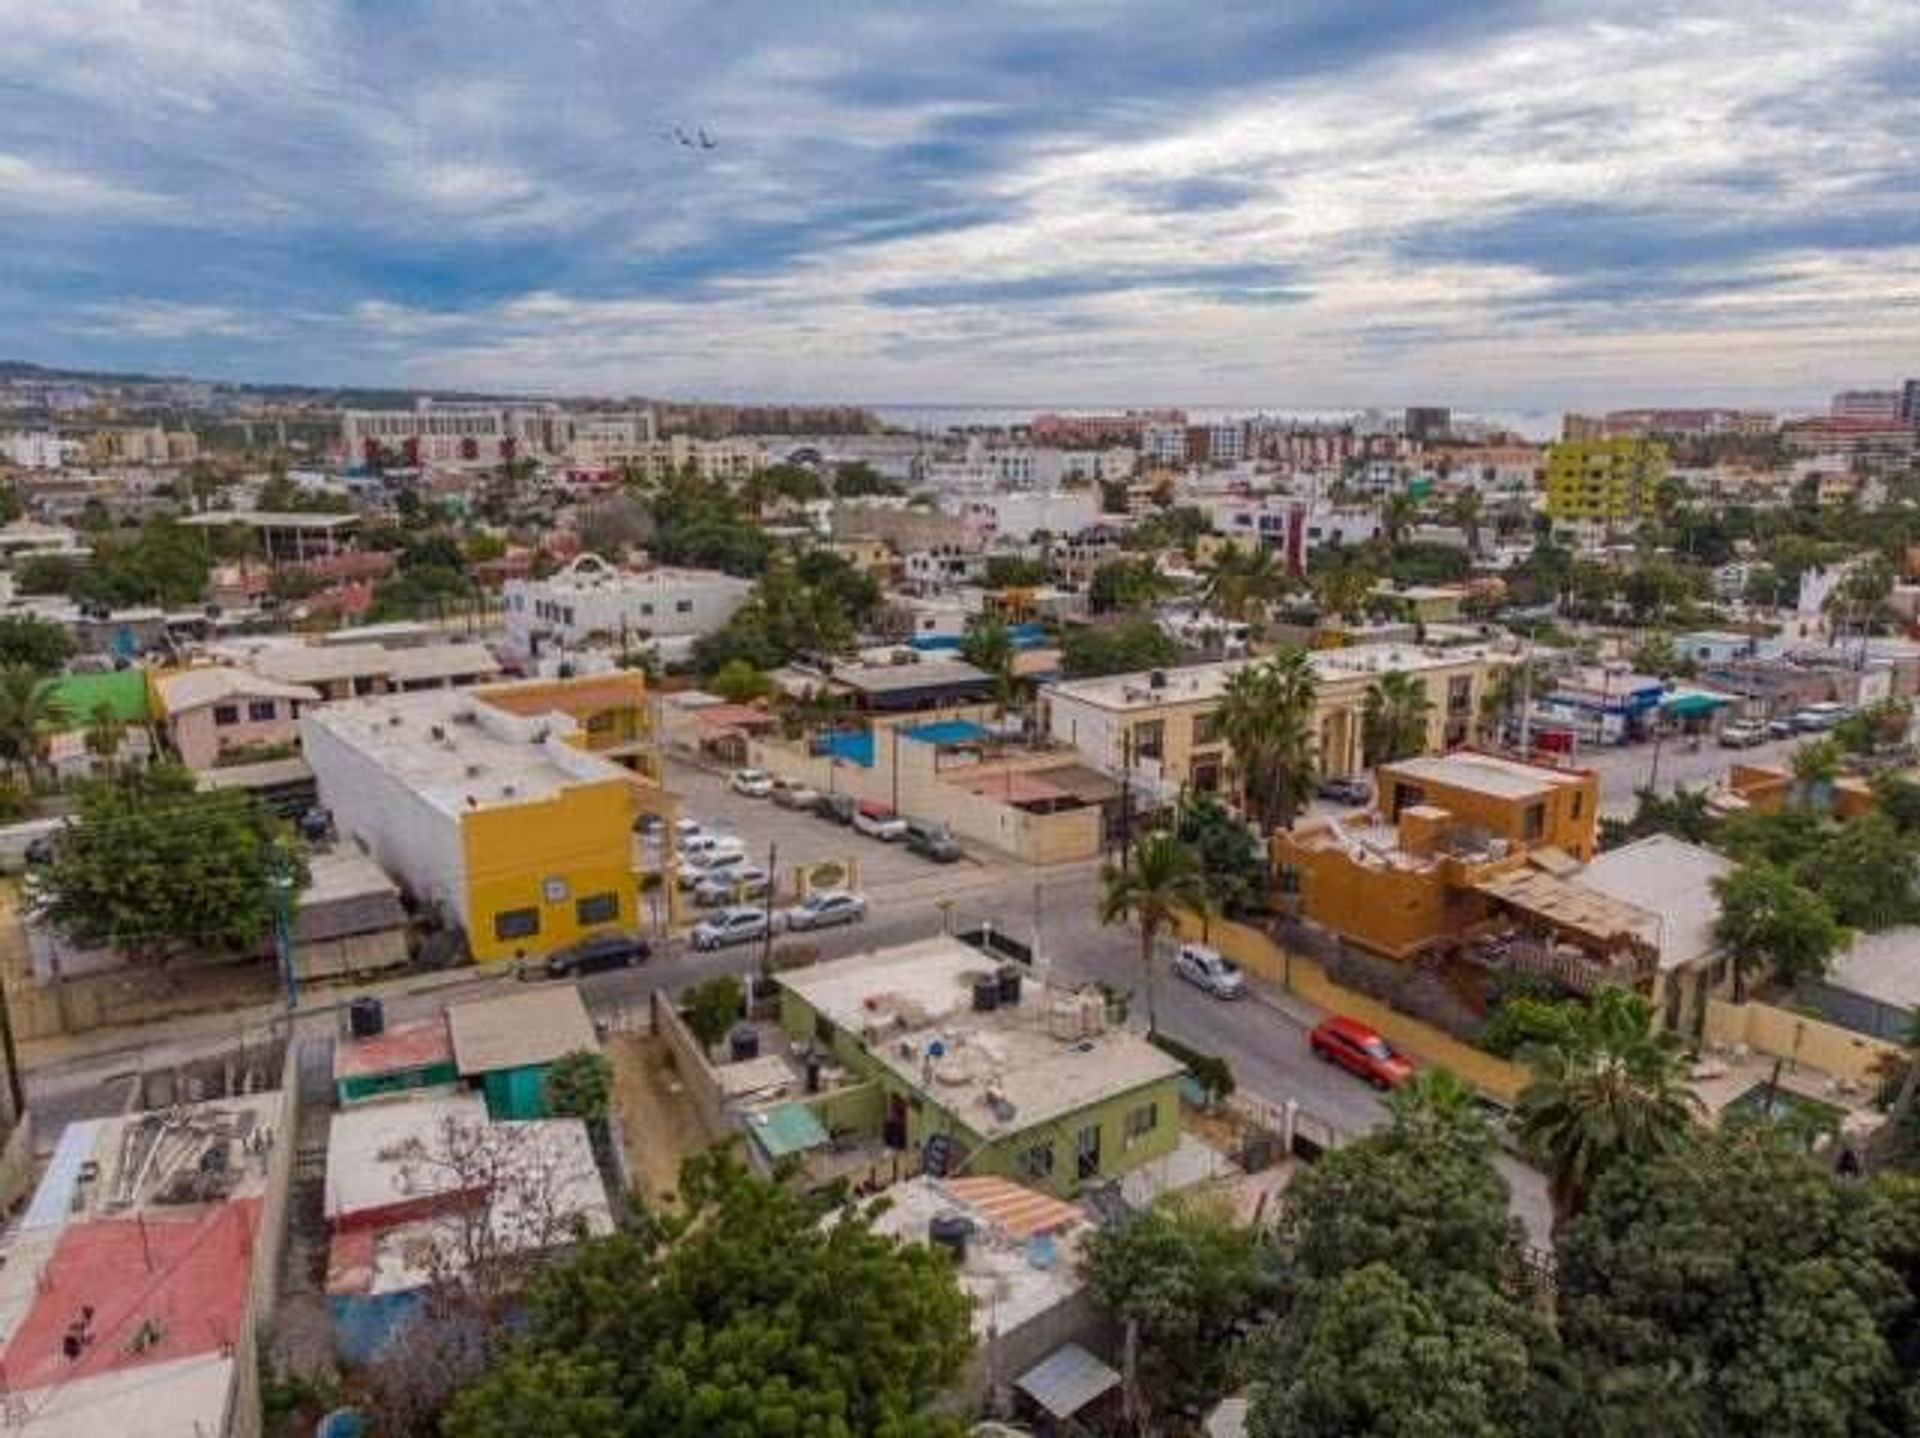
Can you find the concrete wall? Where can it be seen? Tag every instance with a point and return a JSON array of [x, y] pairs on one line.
[[243, 1402], [1805, 1042], [1264, 959], [691, 1064]]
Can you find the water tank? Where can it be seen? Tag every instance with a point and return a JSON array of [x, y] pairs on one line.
[[365, 1017], [986, 994], [950, 1231], [744, 1043], [1008, 986]]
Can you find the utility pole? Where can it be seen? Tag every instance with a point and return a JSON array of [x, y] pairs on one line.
[[773, 880]]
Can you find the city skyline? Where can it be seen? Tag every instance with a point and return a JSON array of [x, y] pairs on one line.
[[1496, 207]]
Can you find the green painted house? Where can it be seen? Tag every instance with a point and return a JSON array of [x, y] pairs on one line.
[[1039, 1087], [505, 1046], [396, 1060]]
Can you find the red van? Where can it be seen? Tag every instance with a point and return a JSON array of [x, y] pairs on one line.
[[1359, 1050]]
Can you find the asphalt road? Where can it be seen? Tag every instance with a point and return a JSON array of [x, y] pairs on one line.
[[1625, 770]]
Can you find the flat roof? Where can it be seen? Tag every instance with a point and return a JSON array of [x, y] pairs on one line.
[[123, 691], [517, 1030], [458, 753], [378, 1154], [1191, 683], [1480, 773], [269, 519], [394, 1050], [197, 688], [896, 678], [999, 1072], [1884, 967], [1674, 880]]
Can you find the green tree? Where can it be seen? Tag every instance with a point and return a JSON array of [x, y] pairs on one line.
[[1229, 852], [1612, 1090], [1738, 1287], [580, 1085], [859, 480], [1685, 814], [34, 643], [1393, 718], [1770, 925], [1013, 571], [714, 1007], [746, 1315], [1898, 797], [1244, 584], [29, 713], [106, 731], [1869, 874], [1126, 585], [988, 645], [1160, 882], [1342, 592], [1466, 512], [1266, 716], [1182, 1279], [739, 682], [1397, 516], [154, 871], [1090, 650]]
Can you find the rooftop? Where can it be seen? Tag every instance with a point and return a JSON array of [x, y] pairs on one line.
[[459, 754], [378, 1153], [1205, 682], [893, 678], [270, 519], [1672, 879], [517, 1030], [1882, 967], [1482, 774], [197, 688], [1000, 1071]]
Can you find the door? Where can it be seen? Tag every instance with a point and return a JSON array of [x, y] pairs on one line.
[[893, 1130], [1086, 1153]]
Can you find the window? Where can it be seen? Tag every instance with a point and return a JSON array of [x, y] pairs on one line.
[[596, 908], [1086, 1151], [646, 611], [516, 923], [1459, 694], [1206, 729], [1535, 822], [262, 711], [1036, 1163], [225, 714], [683, 606], [1149, 739], [1579, 802], [1140, 1122]]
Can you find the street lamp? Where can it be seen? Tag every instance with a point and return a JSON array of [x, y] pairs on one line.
[[283, 884]]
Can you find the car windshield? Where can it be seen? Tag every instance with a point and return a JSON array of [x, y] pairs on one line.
[[1376, 1048]]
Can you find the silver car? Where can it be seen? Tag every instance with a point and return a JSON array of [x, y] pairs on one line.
[[1207, 969], [730, 926], [825, 909]]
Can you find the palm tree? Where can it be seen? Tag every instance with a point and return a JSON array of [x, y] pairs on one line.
[[1393, 718], [1266, 717], [1397, 516], [1243, 585], [1163, 880], [1465, 511], [106, 731], [988, 645], [1612, 1091], [28, 712], [1501, 700], [1815, 765], [1438, 1106], [1341, 592]]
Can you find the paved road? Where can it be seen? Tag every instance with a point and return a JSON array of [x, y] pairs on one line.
[[1623, 771]]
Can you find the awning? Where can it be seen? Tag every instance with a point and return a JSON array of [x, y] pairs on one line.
[[1018, 1211], [1694, 705], [1572, 908], [1067, 1380], [789, 1129]]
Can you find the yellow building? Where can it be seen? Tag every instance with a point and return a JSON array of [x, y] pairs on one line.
[[1604, 481], [500, 818], [1162, 726], [613, 712], [1524, 804]]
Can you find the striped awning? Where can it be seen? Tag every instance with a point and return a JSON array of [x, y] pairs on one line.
[[1019, 1212]]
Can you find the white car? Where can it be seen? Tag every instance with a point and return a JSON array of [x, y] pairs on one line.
[[732, 884], [1207, 969], [730, 926], [824, 910], [753, 783], [877, 821], [714, 864]]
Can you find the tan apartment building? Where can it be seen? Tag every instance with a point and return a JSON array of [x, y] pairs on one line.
[[1162, 727]]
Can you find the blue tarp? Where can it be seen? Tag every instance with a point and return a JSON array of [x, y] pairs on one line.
[[947, 731], [853, 748]]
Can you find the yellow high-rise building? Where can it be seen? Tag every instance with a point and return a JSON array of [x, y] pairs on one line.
[[1604, 481]]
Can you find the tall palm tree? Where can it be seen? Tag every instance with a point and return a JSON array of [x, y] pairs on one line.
[[1164, 879], [28, 712], [1342, 593], [1393, 718], [1243, 584], [1466, 511], [1612, 1091], [988, 645], [1266, 717], [1397, 516], [1437, 1104], [105, 733]]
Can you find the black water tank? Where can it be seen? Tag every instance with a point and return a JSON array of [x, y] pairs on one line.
[[744, 1043], [986, 994], [1009, 986], [950, 1231], [365, 1017]]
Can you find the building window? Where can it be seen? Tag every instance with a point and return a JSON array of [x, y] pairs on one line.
[[1149, 739], [1140, 1122], [1535, 822], [1206, 729], [262, 711], [1036, 1163], [1459, 694], [683, 606], [1086, 1152], [1579, 803], [596, 908], [516, 923], [225, 714]]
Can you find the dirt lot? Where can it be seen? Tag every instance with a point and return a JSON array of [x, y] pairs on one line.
[[658, 1124]]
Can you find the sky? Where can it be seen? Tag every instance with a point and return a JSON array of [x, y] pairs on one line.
[[1483, 203]]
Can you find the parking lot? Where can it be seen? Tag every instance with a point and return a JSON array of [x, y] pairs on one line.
[[888, 874]]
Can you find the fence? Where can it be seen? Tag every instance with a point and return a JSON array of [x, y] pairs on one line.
[[243, 1397], [691, 1063]]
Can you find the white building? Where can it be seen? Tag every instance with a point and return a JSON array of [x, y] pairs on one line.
[[591, 601], [1019, 514], [35, 449], [1164, 443], [1294, 527]]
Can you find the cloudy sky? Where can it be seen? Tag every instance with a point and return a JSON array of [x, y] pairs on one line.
[[1490, 204]]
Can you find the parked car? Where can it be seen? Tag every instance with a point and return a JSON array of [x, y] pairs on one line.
[[593, 956], [1345, 789], [737, 925], [825, 909], [791, 795], [1742, 734], [752, 783], [704, 845], [733, 884], [837, 807], [932, 841], [877, 821], [1359, 1050], [1818, 718], [698, 868], [1780, 729], [1207, 969]]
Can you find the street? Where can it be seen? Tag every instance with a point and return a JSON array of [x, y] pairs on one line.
[[1624, 770]]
